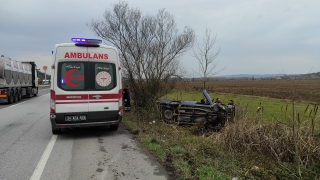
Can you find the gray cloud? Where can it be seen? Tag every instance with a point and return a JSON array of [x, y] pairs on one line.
[[254, 36]]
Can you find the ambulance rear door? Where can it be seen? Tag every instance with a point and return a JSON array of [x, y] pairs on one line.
[[71, 76], [104, 89]]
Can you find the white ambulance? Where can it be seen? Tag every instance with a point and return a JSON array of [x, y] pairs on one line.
[[86, 87]]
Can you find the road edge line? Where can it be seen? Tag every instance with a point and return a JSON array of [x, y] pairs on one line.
[[18, 103], [43, 160]]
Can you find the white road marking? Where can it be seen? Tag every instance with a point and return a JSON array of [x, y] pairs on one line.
[[17, 104], [43, 89], [43, 161]]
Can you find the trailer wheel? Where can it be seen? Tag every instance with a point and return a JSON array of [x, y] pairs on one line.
[[30, 94], [19, 95], [10, 98], [15, 96]]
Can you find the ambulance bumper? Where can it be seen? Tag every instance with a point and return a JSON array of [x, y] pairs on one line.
[[59, 121]]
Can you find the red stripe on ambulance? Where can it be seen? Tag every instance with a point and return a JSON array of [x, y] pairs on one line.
[[106, 96], [72, 97], [86, 96], [86, 102]]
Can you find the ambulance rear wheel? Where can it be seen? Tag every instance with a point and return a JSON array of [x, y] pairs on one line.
[[56, 131], [114, 127]]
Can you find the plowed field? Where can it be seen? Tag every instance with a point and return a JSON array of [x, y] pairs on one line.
[[304, 90]]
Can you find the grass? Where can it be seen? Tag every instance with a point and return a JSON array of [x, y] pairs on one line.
[[154, 146], [247, 149], [183, 167], [208, 173]]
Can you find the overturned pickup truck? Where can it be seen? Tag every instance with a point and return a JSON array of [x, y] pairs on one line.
[[209, 114]]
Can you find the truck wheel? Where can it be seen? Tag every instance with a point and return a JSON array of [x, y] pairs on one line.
[[56, 131], [19, 95], [15, 97], [10, 98], [114, 127], [30, 94]]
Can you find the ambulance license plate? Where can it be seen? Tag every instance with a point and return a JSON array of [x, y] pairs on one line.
[[76, 118]]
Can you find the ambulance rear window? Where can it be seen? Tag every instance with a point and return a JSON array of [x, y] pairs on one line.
[[89, 76], [104, 76], [71, 75]]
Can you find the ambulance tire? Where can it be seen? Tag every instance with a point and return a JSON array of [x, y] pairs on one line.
[[114, 127], [56, 131]]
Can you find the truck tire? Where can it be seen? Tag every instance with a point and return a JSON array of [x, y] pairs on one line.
[[10, 98], [56, 131], [30, 94], [19, 95], [15, 96]]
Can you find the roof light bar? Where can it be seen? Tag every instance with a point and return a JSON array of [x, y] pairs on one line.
[[86, 41]]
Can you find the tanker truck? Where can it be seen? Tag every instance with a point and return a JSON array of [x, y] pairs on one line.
[[17, 80]]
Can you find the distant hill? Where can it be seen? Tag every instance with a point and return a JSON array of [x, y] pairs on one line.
[[251, 75], [310, 76]]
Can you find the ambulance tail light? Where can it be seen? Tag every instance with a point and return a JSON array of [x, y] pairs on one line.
[[52, 102], [120, 103], [120, 93], [86, 42], [120, 110]]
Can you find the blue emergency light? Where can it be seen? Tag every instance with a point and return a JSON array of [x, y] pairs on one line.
[[86, 41]]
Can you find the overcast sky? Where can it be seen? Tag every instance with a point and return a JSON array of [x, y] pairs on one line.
[[255, 37]]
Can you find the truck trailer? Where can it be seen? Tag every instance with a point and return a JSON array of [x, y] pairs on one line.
[[17, 80]]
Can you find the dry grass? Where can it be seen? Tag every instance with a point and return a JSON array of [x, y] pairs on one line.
[[274, 140], [249, 148], [306, 90]]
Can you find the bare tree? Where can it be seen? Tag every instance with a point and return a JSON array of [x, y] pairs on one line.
[[149, 48], [206, 56]]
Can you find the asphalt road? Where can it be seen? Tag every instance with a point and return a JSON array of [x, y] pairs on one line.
[[28, 150]]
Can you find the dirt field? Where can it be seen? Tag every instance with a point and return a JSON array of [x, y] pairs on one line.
[[305, 90]]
